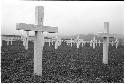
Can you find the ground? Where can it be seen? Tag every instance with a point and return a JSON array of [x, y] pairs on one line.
[[64, 65]]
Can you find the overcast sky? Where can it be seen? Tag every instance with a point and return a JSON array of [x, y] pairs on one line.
[[71, 17]]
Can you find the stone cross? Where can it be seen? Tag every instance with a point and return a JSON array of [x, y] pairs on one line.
[[56, 44], [77, 41], [99, 42], [25, 40], [71, 42], [49, 42], [106, 37], [82, 43], [53, 41], [67, 42], [58, 41], [91, 43], [38, 28], [112, 43], [117, 42], [7, 42], [11, 41], [94, 43]]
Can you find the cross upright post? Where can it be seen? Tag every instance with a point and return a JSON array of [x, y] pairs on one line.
[[116, 42], [91, 43], [94, 43], [38, 28], [7, 42], [77, 41], [49, 42], [27, 37], [106, 37], [71, 42], [105, 43]]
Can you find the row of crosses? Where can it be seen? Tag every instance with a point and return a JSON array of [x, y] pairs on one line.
[[58, 41], [39, 28], [93, 43]]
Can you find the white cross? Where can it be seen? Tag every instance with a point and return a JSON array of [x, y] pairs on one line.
[[106, 37], [112, 43], [67, 42], [82, 43], [71, 42], [91, 43], [39, 38], [7, 43], [23, 38], [49, 42], [94, 41], [99, 42], [117, 42], [56, 41], [78, 41]]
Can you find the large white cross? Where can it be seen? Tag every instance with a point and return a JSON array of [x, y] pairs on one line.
[[39, 38], [106, 37]]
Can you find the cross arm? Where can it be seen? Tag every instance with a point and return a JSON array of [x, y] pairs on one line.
[[26, 27], [106, 35], [50, 29], [32, 27]]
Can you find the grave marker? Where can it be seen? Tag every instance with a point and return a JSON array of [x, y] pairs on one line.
[[99, 42], [93, 43], [112, 43], [117, 42], [77, 41], [11, 41], [7, 42], [49, 42], [71, 42], [39, 38], [106, 37]]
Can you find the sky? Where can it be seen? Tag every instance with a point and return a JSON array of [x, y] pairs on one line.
[[71, 17]]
